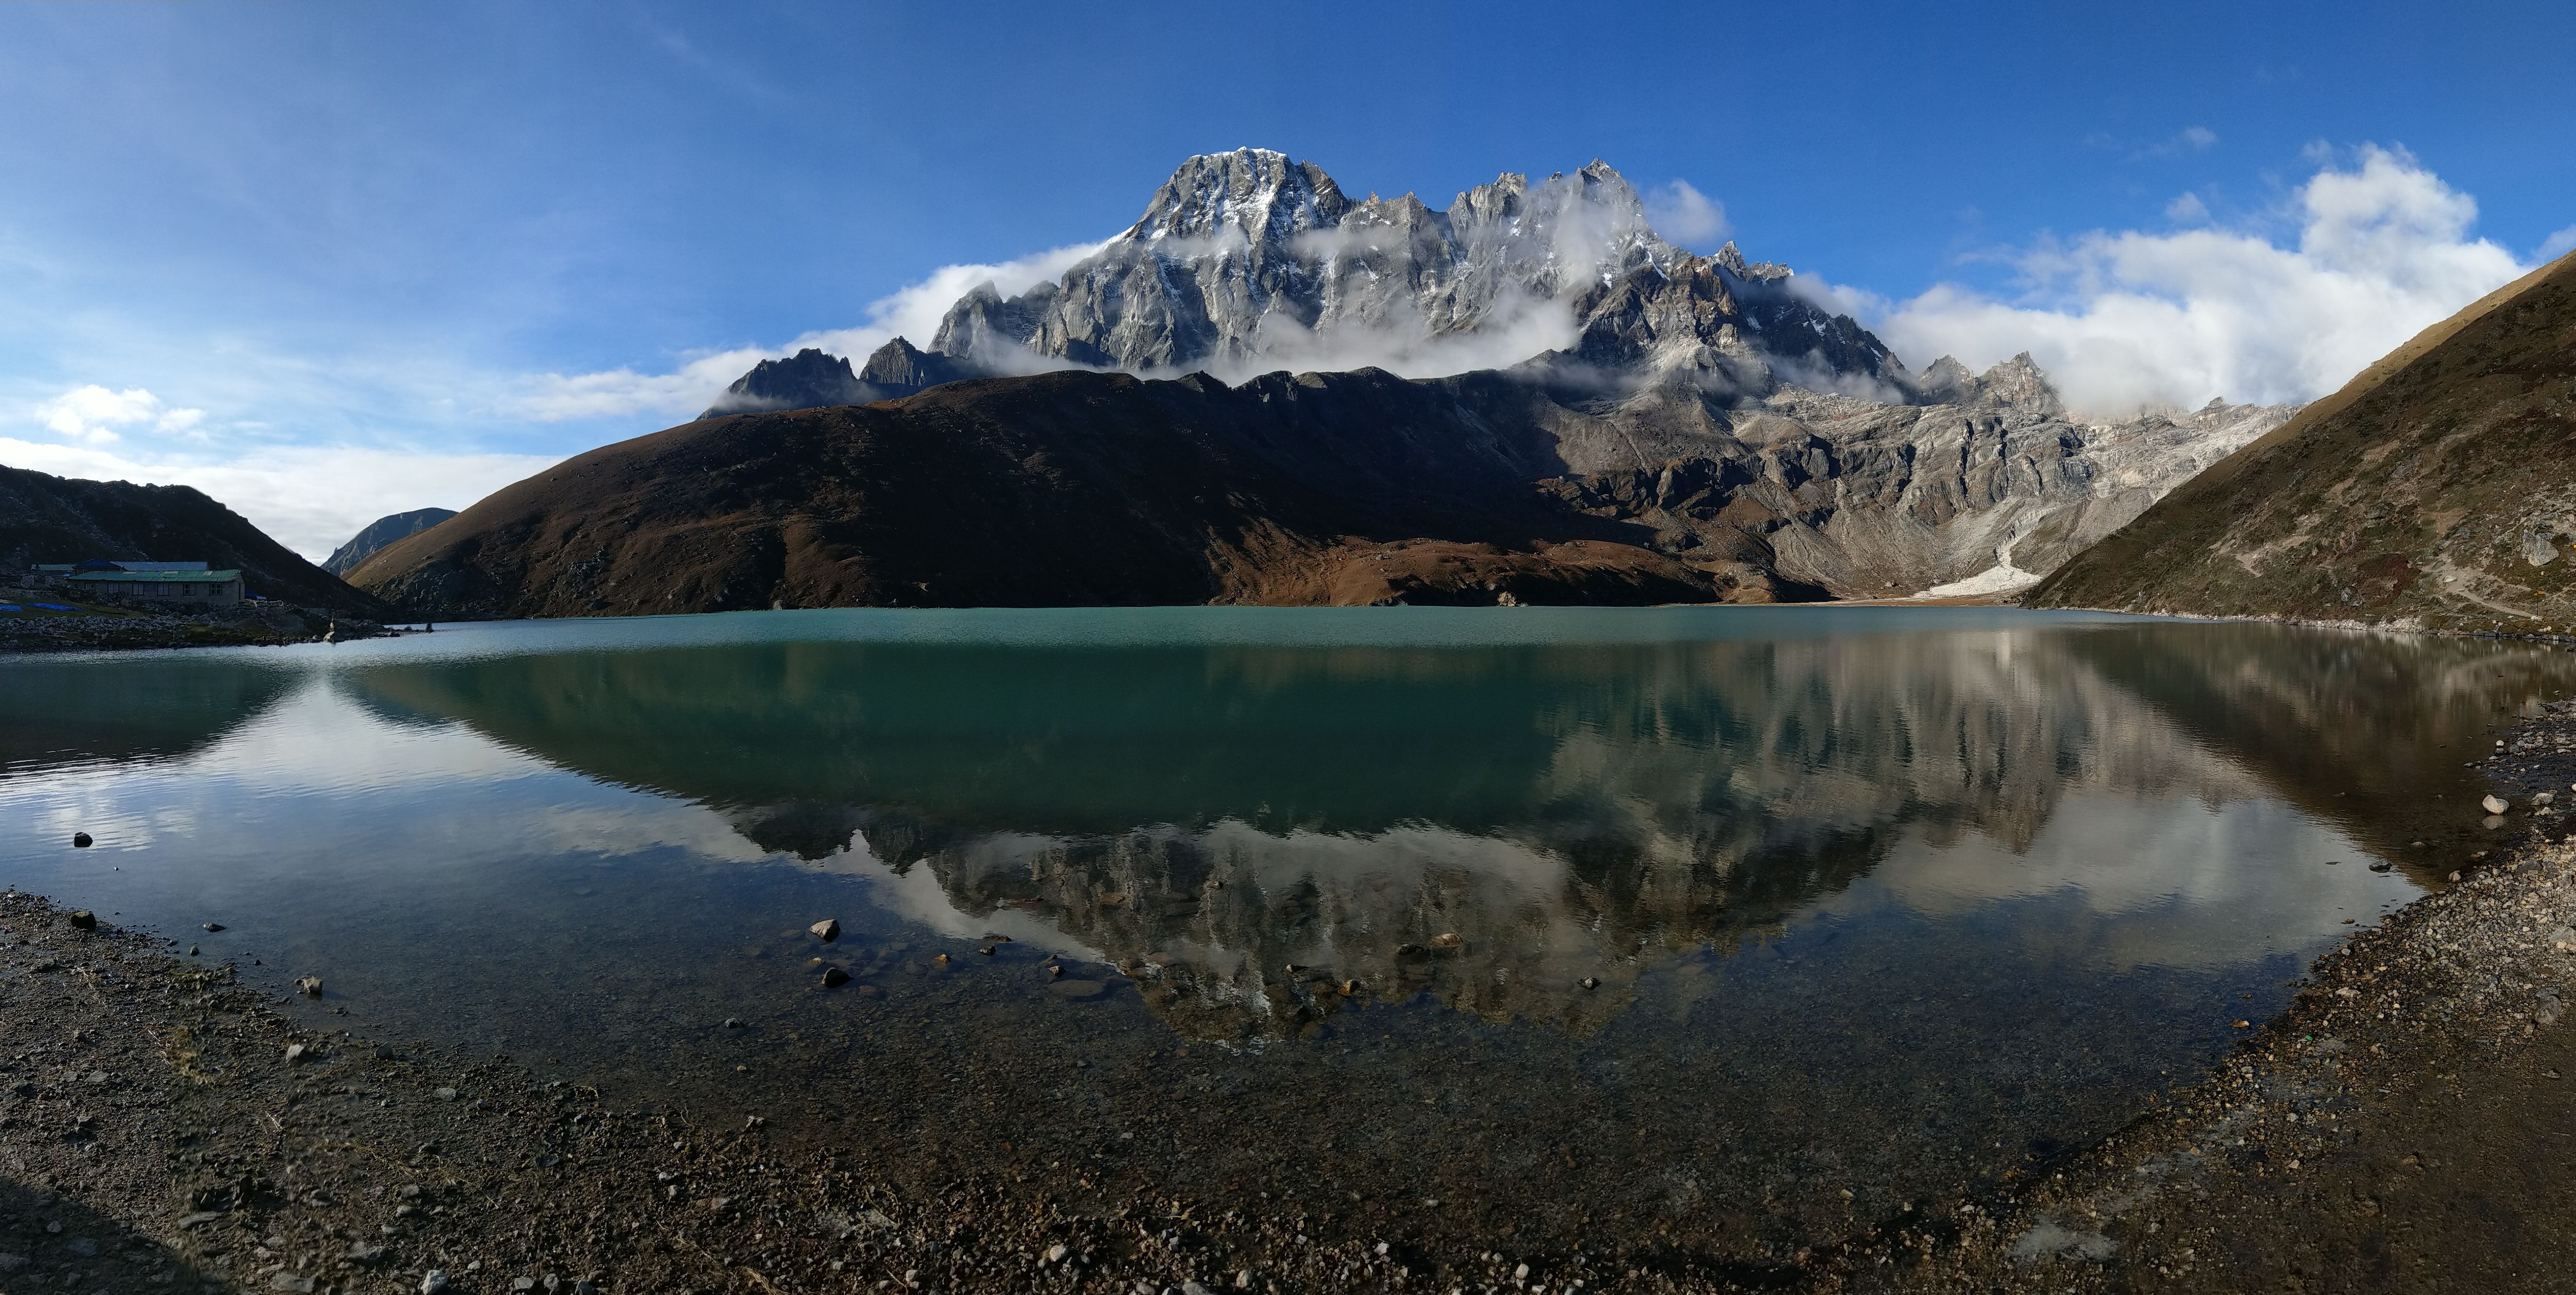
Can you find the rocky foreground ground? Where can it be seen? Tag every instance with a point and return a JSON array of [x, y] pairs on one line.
[[2406, 1126]]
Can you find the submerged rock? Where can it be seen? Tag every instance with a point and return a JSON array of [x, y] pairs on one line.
[[834, 977]]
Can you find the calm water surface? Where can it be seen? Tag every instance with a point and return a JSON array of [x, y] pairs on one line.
[[1675, 922]]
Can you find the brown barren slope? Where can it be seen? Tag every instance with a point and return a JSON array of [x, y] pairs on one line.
[[1064, 489], [2437, 489], [65, 519]]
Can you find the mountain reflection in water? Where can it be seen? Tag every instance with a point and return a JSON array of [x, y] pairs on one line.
[[1870, 901], [1259, 835]]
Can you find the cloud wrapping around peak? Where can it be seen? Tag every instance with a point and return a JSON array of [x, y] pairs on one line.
[[557, 397], [912, 312], [2130, 320], [1685, 216], [1401, 341], [1517, 326], [93, 413]]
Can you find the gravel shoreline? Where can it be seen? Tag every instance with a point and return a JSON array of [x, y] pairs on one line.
[[145, 630], [2407, 1125], [2404, 1126], [165, 1127]]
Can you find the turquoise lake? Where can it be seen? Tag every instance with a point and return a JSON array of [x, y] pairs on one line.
[[1566, 922]]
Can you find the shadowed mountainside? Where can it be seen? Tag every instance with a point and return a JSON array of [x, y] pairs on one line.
[[63, 519], [2437, 489], [1064, 489], [1527, 486]]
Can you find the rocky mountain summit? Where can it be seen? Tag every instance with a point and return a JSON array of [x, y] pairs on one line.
[[1611, 418], [809, 379], [381, 532], [1248, 262]]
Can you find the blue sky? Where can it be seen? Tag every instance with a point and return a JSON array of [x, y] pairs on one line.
[[331, 260]]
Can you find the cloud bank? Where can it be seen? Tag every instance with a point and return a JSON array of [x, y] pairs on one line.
[[93, 413], [2131, 320], [309, 498], [1517, 326]]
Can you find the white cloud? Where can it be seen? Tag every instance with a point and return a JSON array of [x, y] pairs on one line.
[[2558, 244], [92, 413], [2127, 320], [2187, 210], [309, 498], [912, 313], [556, 397], [2192, 139], [1684, 215], [2183, 143], [1402, 342]]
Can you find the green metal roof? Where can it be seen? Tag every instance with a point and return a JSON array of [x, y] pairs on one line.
[[160, 577]]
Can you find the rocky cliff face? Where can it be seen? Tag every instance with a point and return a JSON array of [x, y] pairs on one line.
[[1980, 494], [1248, 262], [381, 532], [809, 379], [2434, 489]]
